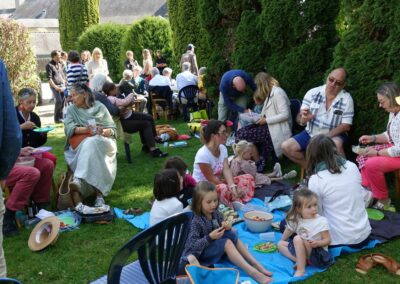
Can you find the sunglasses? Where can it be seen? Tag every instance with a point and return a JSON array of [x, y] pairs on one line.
[[335, 82]]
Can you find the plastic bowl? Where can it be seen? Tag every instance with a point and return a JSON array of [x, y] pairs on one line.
[[258, 226], [25, 161]]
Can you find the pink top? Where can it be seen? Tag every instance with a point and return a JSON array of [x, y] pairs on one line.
[[240, 167], [125, 110]]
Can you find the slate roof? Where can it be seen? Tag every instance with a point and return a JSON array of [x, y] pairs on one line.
[[118, 11]]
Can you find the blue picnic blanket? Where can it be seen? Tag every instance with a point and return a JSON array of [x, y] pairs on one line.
[[139, 221], [280, 266]]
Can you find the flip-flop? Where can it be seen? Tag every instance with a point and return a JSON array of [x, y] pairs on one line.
[[390, 263], [365, 263]]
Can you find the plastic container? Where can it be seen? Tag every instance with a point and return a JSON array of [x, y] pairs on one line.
[[258, 221], [165, 145], [164, 137], [268, 237], [178, 144]]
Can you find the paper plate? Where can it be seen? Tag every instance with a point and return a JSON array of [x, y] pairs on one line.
[[44, 129], [375, 214], [41, 150]]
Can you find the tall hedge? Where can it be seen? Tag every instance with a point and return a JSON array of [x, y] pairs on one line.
[[292, 40], [153, 33], [17, 53], [370, 52], [300, 37], [107, 37], [186, 28], [74, 17]]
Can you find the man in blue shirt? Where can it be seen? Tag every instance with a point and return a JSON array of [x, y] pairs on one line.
[[10, 145], [231, 97]]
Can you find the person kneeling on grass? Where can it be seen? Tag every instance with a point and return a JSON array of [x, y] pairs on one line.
[[311, 242], [210, 238]]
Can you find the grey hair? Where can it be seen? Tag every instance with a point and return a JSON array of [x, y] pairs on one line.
[[185, 66], [202, 70], [83, 89], [391, 91], [25, 93], [127, 74], [167, 71], [154, 71], [97, 82]]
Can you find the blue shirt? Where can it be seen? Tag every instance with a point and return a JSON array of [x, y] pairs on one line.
[[229, 93], [10, 131]]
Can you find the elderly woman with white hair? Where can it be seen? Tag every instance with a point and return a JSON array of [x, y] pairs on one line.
[[98, 65], [91, 150], [126, 87]]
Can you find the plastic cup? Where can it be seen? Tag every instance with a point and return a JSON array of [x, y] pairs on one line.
[[268, 237]]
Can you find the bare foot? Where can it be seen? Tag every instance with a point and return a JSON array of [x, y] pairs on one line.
[[262, 269], [192, 259], [299, 273], [260, 278]]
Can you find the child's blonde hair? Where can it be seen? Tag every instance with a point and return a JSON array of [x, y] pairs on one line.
[[200, 190], [300, 197], [241, 147]]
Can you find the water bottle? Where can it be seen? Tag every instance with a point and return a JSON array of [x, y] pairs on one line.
[[164, 137], [32, 210], [178, 144], [165, 145]]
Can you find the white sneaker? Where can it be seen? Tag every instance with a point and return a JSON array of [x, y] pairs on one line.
[[99, 202], [277, 170], [289, 175]]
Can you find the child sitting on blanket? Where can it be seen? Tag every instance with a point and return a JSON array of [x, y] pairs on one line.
[[188, 181], [167, 185], [210, 238], [242, 163], [313, 237]]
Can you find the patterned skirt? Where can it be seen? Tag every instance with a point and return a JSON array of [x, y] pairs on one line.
[[260, 136], [245, 186]]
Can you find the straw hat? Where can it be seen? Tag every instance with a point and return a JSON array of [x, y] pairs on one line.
[[44, 234]]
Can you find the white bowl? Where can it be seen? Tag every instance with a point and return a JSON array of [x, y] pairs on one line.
[[258, 226], [27, 161]]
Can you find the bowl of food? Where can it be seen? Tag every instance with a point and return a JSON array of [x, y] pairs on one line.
[[28, 161], [258, 221]]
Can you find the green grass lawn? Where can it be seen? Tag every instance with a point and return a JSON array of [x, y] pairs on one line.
[[83, 255]]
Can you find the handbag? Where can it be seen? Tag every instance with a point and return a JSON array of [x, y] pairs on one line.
[[76, 139], [67, 198]]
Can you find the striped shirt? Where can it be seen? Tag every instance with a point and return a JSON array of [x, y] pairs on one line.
[[340, 111], [74, 74]]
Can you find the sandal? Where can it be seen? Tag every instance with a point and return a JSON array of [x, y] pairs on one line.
[[365, 263], [133, 211], [390, 263]]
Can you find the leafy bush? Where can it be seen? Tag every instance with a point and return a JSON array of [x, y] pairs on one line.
[[153, 33], [370, 52], [107, 37], [17, 53], [75, 16]]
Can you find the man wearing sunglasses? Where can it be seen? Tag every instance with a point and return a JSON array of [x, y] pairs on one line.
[[327, 109]]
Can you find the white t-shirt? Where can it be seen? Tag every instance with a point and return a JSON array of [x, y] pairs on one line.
[[164, 208], [204, 156], [310, 229], [340, 200]]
